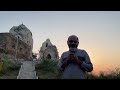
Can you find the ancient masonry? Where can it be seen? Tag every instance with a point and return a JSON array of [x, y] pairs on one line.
[[8, 47], [27, 71], [48, 51], [17, 44], [24, 34]]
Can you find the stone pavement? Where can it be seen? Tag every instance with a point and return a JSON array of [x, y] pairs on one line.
[[27, 71]]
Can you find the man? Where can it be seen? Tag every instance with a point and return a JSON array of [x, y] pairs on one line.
[[74, 63]]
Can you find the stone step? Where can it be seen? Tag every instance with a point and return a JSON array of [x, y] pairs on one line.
[[27, 71]]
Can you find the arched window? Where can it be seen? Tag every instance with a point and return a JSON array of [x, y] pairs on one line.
[[20, 49], [46, 44]]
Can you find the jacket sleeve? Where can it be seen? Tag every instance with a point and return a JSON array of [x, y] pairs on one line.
[[87, 65]]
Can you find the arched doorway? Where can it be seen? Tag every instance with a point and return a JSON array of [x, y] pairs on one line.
[[48, 56]]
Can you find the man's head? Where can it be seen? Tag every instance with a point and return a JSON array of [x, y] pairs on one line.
[[73, 41]]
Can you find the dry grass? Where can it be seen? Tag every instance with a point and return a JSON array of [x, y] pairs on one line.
[[115, 74]]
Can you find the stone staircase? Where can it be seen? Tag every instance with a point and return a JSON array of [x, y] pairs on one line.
[[27, 70]]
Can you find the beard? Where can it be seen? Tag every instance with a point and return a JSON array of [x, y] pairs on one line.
[[72, 50]]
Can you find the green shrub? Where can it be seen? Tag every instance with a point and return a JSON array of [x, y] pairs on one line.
[[48, 65], [4, 51], [8, 65], [48, 69]]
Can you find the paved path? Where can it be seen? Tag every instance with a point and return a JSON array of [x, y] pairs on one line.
[[27, 70]]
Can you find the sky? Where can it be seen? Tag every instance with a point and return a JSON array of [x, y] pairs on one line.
[[98, 32]]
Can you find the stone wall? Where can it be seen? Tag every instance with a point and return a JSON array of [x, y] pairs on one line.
[[8, 47]]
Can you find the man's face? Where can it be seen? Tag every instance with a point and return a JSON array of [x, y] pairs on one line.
[[73, 42]]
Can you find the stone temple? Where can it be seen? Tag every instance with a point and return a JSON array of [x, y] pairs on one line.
[[48, 51], [24, 34]]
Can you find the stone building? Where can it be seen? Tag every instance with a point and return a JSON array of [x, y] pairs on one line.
[[48, 51], [24, 34], [13, 47]]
